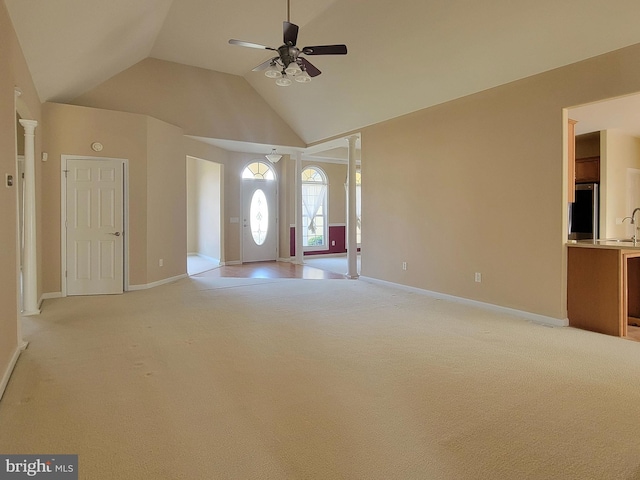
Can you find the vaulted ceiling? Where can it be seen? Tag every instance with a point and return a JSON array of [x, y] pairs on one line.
[[403, 55]]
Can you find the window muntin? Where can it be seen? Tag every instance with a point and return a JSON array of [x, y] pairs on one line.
[[259, 171]]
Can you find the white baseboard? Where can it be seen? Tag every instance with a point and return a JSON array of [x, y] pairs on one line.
[[158, 283], [534, 317], [46, 296], [211, 259], [326, 255], [231, 262], [7, 373], [286, 260]]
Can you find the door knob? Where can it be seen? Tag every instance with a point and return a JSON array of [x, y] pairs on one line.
[[117, 234]]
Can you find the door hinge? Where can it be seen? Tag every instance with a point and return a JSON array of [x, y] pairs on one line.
[[65, 173]]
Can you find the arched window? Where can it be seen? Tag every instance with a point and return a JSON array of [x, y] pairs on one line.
[[314, 209], [259, 170]]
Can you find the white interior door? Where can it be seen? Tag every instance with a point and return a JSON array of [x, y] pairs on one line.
[[94, 227], [259, 220]]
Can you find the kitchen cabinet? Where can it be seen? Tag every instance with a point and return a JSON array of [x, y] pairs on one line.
[[603, 287], [587, 170]]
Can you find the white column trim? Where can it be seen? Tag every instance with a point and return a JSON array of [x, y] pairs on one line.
[[299, 257], [352, 243], [29, 265]]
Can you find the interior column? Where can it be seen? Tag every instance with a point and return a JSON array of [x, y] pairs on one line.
[[299, 258], [352, 244], [29, 265]]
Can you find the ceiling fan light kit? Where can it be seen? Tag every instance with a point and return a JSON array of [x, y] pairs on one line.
[[293, 69], [303, 78], [289, 63], [283, 81], [273, 72]]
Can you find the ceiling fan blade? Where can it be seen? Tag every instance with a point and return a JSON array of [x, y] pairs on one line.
[[309, 67], [250, 45], [264, 65], [290, 33], [325, 50]]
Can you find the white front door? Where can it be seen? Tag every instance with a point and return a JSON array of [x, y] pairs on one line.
[[94, 227], [259, 220]]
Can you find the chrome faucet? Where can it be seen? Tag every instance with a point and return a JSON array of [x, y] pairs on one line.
[[633, 222]]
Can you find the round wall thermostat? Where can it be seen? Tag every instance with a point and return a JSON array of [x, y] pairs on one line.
[[96, 146]]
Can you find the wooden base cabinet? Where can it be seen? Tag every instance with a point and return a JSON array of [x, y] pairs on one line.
[[603, 288]]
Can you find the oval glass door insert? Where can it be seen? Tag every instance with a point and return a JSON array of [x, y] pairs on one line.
[[259, 215]]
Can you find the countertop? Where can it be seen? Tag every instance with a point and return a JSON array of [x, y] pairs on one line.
[[610, 244]]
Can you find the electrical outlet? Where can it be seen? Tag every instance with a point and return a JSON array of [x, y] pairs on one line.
[[404, 265], [333, 243], [8, 180], [478, 277], [161, 262]]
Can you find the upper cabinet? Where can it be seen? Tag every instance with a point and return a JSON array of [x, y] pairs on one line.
[[587, 170]]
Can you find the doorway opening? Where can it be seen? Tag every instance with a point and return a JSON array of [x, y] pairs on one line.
[[204, 215]]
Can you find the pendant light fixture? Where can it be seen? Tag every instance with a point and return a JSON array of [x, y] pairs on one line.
[[273, 157]]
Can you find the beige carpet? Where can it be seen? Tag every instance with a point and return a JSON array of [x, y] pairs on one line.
[[309, 379]]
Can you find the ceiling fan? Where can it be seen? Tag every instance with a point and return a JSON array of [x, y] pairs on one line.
[[288, 62]]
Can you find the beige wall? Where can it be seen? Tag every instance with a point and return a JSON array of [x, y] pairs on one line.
[[619, 152], [13, 72], [230, 185], [166, 201], [204, 210], [203, 102], [478, 185], [70, 131], [156, 187], [192, 204]]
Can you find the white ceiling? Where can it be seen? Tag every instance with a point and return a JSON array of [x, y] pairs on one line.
[[403, 55], [622, 113]]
